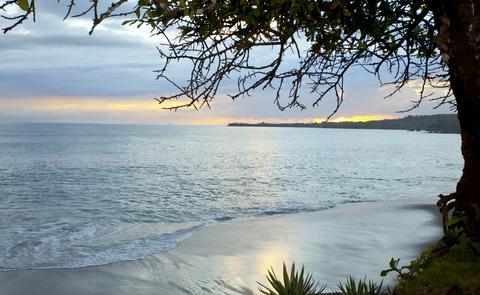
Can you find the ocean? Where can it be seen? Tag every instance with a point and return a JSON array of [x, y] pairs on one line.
[[74, 195]]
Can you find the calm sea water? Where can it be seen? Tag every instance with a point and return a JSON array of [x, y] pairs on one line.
[[73, 195]]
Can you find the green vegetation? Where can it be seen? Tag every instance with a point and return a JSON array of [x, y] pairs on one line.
[[442, 269], [294, 284], [362, 287], [299, 283], [445, 123]]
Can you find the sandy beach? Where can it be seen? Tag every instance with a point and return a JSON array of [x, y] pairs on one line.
[[230, 257]]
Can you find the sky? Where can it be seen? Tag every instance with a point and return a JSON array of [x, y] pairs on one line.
[[53, 71]]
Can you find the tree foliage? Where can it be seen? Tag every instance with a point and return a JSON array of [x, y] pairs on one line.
[[303, 44]]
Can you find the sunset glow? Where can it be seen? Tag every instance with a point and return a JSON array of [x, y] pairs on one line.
[[359, 118], [138, 110], [86, 105]]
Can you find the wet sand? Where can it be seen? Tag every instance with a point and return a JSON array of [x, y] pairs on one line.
[[230, 257]]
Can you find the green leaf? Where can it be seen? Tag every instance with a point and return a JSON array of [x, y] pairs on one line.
[[23, 4], [152, 14], [143, 2], [394, 263], [311, 6]]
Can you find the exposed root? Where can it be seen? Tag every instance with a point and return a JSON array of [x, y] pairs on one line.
[[445, 205]]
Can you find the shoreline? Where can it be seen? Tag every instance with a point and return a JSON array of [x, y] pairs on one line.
[[229, 257], [440, 123]]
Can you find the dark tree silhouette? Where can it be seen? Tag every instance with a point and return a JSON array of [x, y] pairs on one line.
[[432, 42]]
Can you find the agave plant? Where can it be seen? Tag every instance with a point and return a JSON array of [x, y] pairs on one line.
[[362, 287], [294, 283]]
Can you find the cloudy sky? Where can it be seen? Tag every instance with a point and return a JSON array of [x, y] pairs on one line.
[[53, 71]]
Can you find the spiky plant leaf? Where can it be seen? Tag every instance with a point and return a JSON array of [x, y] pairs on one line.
[[295, 283], [362, 287]]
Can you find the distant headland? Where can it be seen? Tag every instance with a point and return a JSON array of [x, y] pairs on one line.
[[443, 123]]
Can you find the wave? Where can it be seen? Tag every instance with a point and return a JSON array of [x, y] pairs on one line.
[[91, 245], [48, 253], [282, 211], [224, 218]]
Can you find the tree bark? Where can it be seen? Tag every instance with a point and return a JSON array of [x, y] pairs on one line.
[[458, 23]]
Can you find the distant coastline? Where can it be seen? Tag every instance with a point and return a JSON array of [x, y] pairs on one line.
[[443, 123]]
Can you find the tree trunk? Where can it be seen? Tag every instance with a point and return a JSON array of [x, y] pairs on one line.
[[458, 22]]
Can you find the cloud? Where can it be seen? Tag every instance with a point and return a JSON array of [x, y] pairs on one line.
[[25, 39]]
